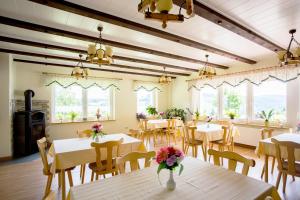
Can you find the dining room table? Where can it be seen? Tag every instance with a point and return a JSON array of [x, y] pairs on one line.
[[67, 153], [162, 123], [266, 148], [199, 180]]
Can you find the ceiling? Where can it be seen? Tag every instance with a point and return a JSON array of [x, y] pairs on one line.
[[271, 19]]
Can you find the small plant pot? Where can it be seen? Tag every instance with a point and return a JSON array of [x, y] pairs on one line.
[[267, 124]]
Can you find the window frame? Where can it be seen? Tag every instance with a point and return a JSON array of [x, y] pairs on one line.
[[154, 99]]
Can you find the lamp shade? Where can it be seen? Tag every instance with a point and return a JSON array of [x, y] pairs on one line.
[[100, 53], [91, 49], [109, 51], [280, 55], [164, 5], [297, 51]]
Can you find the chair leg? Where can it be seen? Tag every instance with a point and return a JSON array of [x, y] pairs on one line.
[[293, 178], [81, 166], [284, 182], [104, 176], [262, 172], [59, 180], [196, 151], [48, 186], [97, 177], [83, 174], [211, 146], [278, 180], [273, 165], [70, 178], [92, 176]]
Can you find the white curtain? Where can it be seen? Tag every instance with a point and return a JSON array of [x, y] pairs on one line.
[[256, 77], [149, 86], [66, 81]]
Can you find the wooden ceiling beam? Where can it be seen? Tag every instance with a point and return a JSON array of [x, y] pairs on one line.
[[96, 14], [47, 56], [216, 17], [87, 38], [80, 51], [96, 69]]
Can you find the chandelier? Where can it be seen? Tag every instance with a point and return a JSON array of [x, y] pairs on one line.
[[165, 79], [79, 71], [287, 57], [102, 55], [207, 71], [159, 10]]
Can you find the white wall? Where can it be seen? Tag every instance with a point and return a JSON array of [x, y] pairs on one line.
[[28, 77], [6, 88]]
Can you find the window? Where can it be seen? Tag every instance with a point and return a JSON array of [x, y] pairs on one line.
[[208, 101], [81, 103], [144, 99], [234, 100], [269, 95]]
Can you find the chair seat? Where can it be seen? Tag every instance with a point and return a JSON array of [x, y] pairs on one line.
[[195, 142], [297, 166], [93, 166], [56, 170]]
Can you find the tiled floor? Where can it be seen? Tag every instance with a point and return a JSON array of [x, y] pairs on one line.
[[23, 178]]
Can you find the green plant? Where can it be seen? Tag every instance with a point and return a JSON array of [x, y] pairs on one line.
[[231, 114], [151, 110], [197, 114], [175, 112], [60, 116], [73, 115], [267, 115]]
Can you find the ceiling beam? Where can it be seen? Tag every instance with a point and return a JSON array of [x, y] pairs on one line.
[[96, 14], [231, 25], [87, 38], [80, 51], [47, 56], [96, 69]]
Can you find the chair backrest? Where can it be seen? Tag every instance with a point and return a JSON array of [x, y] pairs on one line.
[[190, 134], [290, 147], [233, 158], [228, 134], [171, 124], [109, 147], [133, 159], [266, 133], [134, 133], [42, 144], [85, 133], [143, 124]]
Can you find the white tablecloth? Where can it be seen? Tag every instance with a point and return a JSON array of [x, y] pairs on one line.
[[68, 153], [199, 180], [266, 147], [162, 123]]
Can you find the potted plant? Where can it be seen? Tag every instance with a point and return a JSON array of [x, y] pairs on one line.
[[60, 116], [231, 115], [266, 116], [151, 110], [197, 115], [97, 131], [73, 115], [175, 112], [170, 158]]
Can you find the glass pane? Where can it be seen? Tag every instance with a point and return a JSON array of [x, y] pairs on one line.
[[68, 100], [98, 99], [234, 100], [144, 99], [270, 95], [208, 101]]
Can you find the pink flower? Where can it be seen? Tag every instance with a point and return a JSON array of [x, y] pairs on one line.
[[171, 160], [97, 128]]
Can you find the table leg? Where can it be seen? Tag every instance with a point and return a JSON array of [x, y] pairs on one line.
[[266, 168], [63, 184]]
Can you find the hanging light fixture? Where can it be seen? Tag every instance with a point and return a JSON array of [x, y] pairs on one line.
[[159, 10], [287, 57], [165, 79], [79, 71], [207, 71], [102, 55]]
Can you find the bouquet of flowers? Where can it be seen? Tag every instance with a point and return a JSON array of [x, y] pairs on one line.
[[208, 119], [169, 158], [161, 114], [97, 130]]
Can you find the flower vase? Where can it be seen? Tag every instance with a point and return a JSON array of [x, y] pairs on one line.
[[171, 185], [97, 139], [207, 125]]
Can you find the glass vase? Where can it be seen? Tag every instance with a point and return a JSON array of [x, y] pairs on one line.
[[171, 185]]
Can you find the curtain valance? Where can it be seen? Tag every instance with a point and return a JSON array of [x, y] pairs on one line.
[[149, 86], [255, 77], [67, 81]]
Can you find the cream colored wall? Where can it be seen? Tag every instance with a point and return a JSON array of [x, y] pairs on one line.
[[6, 87], [28, 77]]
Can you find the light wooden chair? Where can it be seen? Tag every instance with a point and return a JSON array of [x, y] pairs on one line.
[[133, 159], [134, 133], [147, 133], [286, 166], [190, 141], [267, 133], [233, 159], [107, 166], [83, 134], [171, 131], [227, 140], [42, 144], [51, 196]]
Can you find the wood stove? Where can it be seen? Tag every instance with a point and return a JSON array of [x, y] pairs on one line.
[[29, 126]]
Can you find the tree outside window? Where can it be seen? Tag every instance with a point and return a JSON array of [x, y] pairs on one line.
[[234, 101]]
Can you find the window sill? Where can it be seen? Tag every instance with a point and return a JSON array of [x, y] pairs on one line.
[[257, 125], [79, 122]]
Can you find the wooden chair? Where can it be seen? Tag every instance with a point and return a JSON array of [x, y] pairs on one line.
[[107, 166], [133, 159], [227, 140], [171, 131], [286, 166], [190, 141], [233, 158], [42, 144], [50, 196], [83, 134], [147, 133], [134, 133], [267, 133]]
